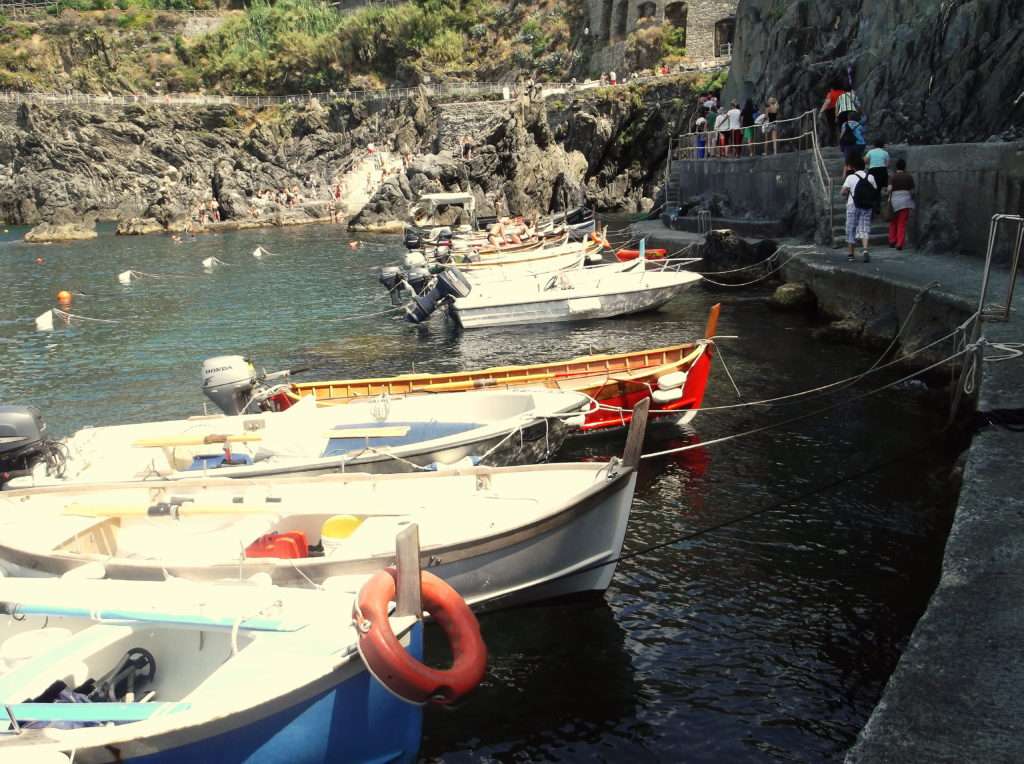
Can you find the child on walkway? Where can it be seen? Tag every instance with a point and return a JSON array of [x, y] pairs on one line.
[[861, 192]]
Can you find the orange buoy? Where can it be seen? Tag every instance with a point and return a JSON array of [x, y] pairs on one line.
[[64, 297], [353, 245], [398, 671], [40, 261]]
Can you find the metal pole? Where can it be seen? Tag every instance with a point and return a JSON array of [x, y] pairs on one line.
[[407, 557]]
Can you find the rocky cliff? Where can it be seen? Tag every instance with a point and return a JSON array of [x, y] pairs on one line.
[[161, 163], [926, 71], [152, 167], [605, 148]]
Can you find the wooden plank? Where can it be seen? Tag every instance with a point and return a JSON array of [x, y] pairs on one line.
[[635, 436], [398, 431], [148, 510], [712, 325], [407, 556], [194, 440]]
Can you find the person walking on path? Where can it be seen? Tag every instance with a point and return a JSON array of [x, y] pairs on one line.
[[735, 128], [902, 202], [701, 128], [878, 165], [771, 127], [861, 194], [828, 109], [747, 124], [723, 132], [852, 141]]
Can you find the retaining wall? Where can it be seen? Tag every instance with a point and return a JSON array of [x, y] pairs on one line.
[[959, 187]]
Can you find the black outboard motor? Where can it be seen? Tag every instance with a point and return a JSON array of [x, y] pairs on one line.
[[418, 280], [392, 280], [23, 440], [449, 285], [413, 240]]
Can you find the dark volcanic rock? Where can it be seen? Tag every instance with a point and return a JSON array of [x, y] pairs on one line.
[[925, 71]]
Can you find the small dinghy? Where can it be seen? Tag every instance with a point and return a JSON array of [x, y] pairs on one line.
[[499, 536], [105, 671], [383, 435]]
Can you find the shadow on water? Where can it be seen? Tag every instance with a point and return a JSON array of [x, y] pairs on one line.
[[769, 638]]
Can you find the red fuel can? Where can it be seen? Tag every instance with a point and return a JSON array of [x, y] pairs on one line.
[[288, 545]]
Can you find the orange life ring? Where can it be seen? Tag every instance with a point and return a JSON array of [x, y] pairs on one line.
[[398, 671]]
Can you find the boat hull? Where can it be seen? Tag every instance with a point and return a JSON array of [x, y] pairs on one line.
[[567, 308], [569, 550], [346, 716]]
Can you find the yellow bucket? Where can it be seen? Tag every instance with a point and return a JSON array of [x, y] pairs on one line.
[[336, 529]]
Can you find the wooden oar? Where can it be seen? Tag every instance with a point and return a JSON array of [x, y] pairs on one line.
[[194, 440], [167, 509]]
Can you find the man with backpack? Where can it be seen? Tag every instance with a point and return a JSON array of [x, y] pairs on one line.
[[862, 194]]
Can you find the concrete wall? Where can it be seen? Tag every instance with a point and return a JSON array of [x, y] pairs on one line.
[[959, 188], [767, 188]]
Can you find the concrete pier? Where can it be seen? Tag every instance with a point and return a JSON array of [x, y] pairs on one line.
[[953, 697]]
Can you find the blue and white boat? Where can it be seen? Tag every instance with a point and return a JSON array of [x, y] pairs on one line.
[[105, 671]]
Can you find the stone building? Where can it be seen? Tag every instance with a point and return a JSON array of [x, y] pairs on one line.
[[710, 25]]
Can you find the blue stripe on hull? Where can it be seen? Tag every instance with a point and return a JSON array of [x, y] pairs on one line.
[[358, 721]]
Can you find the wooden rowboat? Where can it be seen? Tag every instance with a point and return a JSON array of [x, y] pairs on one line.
[[618, 381]]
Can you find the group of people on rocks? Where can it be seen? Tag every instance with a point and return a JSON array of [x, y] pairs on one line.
[[868, 183], [723, 132]]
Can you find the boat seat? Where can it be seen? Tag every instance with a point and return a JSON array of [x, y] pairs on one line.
[[92, 712], [33, 676]]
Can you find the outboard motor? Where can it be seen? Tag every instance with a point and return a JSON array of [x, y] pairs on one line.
[[418, 280], [23, 441], [413, 240], [449, 285], [392, 280], [228, 381]]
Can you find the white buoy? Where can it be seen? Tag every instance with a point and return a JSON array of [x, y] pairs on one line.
[[44, 322], [125, 277], [209, 263], [259, 252]]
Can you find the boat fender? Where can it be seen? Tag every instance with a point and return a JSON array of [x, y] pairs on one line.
[[599, 239], [667, 396], [394, 667], [575, 421], [672, 380]]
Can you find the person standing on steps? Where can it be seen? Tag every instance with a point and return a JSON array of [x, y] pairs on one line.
[[828, 109], [701, 128], [852, 141], [861, 192], [878, 165], [902, 202], [723, 133]]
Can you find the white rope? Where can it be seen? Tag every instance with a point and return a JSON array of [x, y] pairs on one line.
[[71, 316], [368, 315], [1010, 350], [808, 415]]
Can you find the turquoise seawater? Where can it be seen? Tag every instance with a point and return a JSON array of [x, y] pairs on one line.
[[769, 639]]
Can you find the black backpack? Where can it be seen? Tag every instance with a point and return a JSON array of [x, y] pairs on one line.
[[865, 195]]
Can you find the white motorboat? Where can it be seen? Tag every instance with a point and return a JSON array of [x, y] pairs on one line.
[[388, 434], [603, 291], [103, 671], [499, 536]]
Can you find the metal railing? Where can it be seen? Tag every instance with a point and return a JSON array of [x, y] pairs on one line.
[[1001, 312], [794, 134]]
